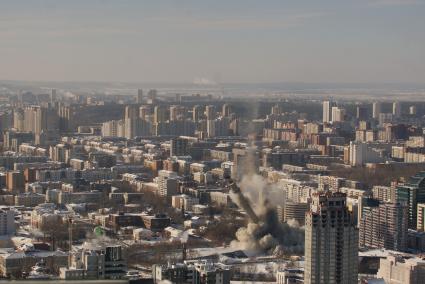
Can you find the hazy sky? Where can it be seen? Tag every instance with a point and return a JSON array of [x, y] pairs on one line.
[[213, 41]]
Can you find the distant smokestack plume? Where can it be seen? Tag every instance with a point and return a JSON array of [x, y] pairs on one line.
[[264, 233]]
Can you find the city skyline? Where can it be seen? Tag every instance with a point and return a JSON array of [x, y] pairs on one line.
[[211, 141]]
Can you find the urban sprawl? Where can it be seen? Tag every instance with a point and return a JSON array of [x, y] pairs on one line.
[[201, 188]]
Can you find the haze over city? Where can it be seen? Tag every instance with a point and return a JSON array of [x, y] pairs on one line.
[[208, 42], [222, 142]]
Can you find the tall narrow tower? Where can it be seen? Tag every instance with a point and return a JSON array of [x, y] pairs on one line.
[[376, 110], [396, 109], [139, 98], [327, 111]]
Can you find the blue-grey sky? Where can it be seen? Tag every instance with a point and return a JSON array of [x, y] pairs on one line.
[[213, 41]]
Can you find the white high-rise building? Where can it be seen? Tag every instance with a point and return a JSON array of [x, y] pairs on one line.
[[327, 111], [226, 110], [210, 112], [197, 113], [361, 153], [18, 119], [37, 119], [177, 112], [131, 121], [338, 114], [396, 109], [167, 183], [376, 110], [160, 114], [331, 241], [145, 112], [113, 128]]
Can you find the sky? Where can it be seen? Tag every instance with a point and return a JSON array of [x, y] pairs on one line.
[[213, 41]]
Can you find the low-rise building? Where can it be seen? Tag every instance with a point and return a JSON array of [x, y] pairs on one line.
[[195, 272], [14, 263], [397, 269], [156, 222], [29, 199], [96, 261], [290, 276]]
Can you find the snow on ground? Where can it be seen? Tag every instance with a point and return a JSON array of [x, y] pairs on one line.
[[251, 282], [204, 252]]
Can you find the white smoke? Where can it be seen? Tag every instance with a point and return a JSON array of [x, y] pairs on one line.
[[204, 81], [98, 242], [258, 190], [264, 232], [184, 237], [35, 232]]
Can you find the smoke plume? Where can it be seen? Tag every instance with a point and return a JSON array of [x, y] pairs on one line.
[[263, 233], [184, 237]]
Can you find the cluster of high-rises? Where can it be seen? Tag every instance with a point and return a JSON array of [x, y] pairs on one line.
[[142, 188], [172, 120]]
